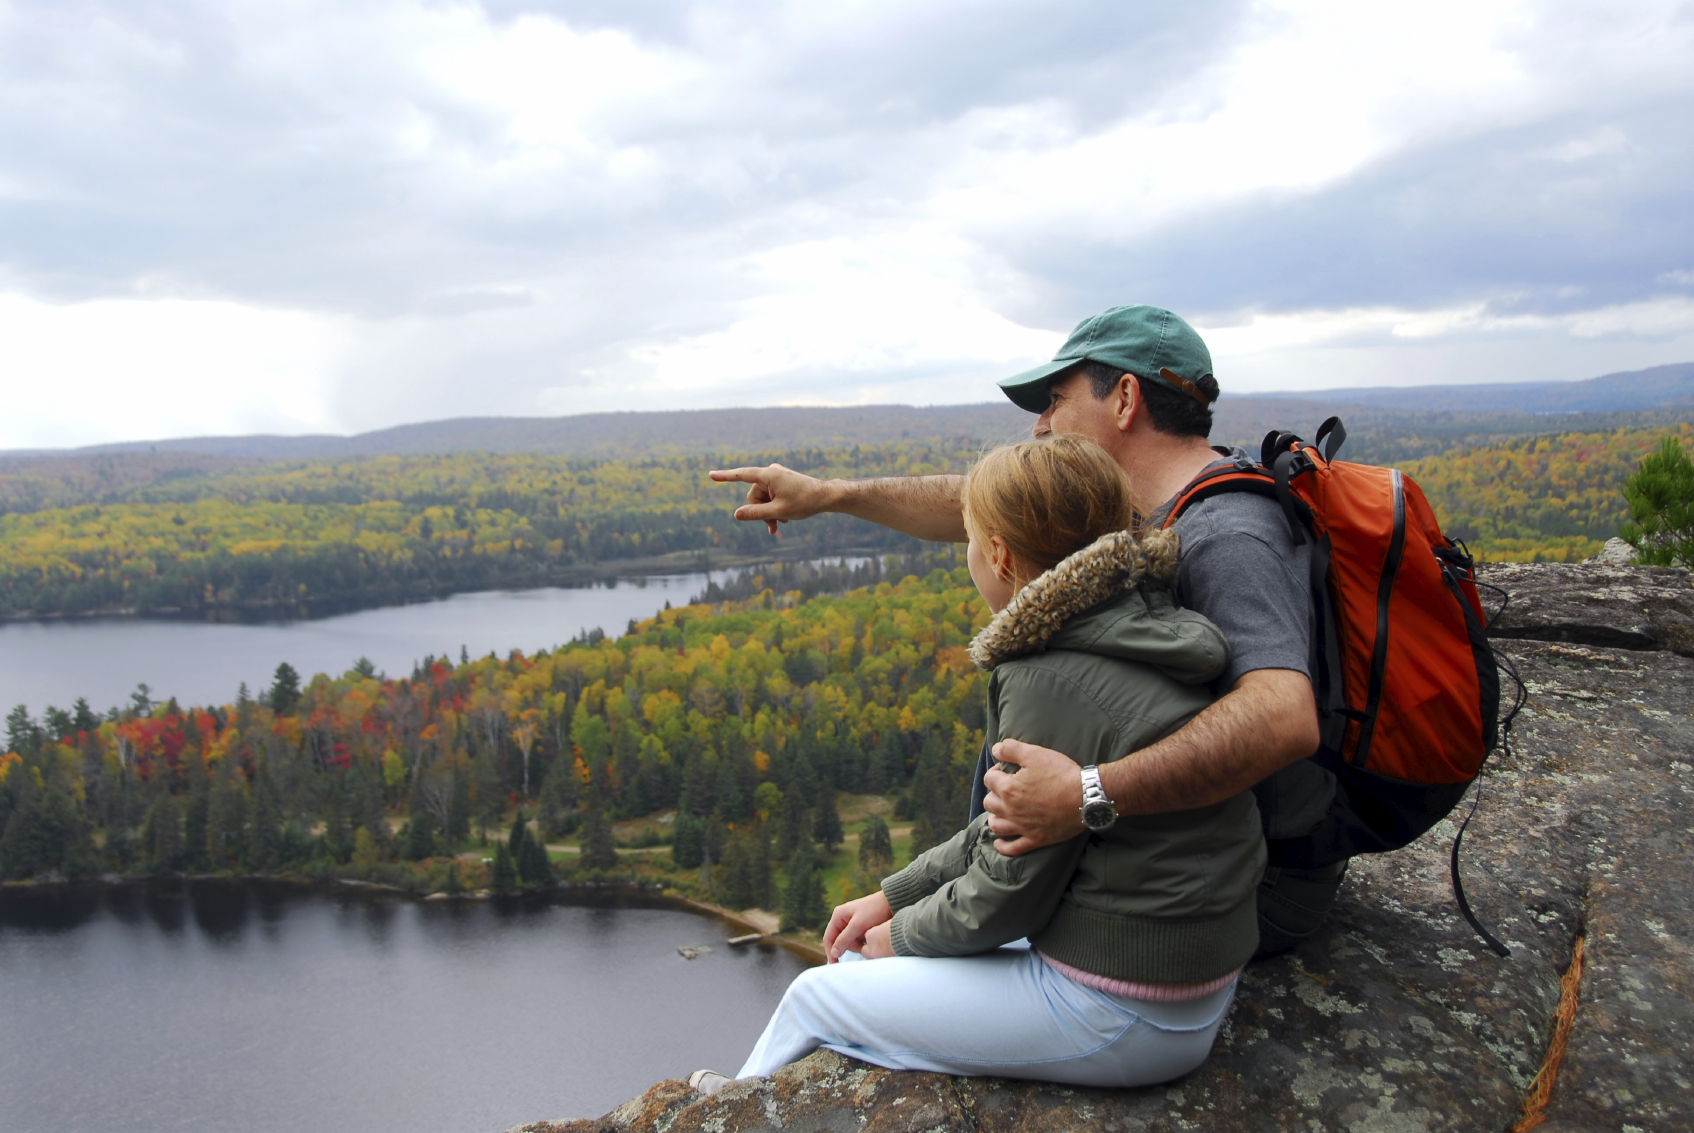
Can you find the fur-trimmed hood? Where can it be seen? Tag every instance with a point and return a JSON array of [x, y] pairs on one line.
[[1095, 602]]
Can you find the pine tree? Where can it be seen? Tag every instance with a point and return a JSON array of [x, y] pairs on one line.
[[338, 830], [794, 827], [802, 900], [285, 690], [534, 867], [876, 848], [687, 835], [826, 823], [598, 849], [505, 877], [418, 838], [1661, 507], [940, 790], [264, 823], [162, 835]]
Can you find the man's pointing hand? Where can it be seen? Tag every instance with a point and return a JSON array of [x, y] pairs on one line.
[[777, 494]]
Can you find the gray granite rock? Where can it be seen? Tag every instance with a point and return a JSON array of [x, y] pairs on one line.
[[1615, 552], [1610, 605], [1395, 1018]]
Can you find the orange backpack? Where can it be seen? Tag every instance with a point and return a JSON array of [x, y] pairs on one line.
[[1407, 687]]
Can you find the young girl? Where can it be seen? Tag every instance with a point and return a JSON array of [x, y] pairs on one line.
[[1135, 934]]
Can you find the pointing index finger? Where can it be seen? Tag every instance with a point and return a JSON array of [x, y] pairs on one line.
[[735, 475]]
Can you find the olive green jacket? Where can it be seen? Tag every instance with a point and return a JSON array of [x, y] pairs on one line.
[[1093, 659]]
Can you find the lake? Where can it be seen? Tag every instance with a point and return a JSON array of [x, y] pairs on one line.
[[103, 659], [259, 1006]]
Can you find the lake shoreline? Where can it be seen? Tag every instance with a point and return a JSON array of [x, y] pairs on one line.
[[793, 943], [272, 611]]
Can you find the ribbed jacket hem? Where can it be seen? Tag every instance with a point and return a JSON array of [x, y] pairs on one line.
[[897, 936], [1151, 950], [904, 888]]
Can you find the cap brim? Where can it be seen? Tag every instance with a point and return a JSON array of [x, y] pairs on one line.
[[1028, 390]]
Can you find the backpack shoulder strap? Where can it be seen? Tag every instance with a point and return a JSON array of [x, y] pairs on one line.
[[1234, 478]]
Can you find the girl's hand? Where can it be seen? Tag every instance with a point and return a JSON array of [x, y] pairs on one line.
[[878, 945], [850, 923]]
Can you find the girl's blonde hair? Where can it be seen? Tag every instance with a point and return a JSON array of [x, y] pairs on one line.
[[1048, 499]]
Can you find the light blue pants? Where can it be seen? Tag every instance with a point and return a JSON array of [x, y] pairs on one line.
[[1000, 1013]]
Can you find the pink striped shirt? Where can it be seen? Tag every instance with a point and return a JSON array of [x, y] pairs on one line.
[[1156, 993]]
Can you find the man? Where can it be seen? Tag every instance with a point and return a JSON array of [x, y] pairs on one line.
[[1138, 381]]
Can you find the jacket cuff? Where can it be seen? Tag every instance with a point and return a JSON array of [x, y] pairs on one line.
[[897, 934], [903, 888]]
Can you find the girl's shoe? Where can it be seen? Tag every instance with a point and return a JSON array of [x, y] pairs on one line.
[[708, 1082]]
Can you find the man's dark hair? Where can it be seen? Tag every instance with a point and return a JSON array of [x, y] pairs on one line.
[[1172, 412]]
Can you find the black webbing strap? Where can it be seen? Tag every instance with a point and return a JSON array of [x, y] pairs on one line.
[[1488, 938], [1519, 698]]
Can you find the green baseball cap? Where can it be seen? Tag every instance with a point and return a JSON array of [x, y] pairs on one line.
[[1149, 342]]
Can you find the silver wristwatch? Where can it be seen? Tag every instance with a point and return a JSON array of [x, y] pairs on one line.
[[1097, 810]]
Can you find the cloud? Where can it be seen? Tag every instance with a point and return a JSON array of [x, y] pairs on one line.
[[529, 207]]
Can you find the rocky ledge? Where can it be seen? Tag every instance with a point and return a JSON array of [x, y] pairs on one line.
[[1396, 1018]]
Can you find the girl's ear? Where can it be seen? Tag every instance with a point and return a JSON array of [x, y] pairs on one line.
[[1000, 558]]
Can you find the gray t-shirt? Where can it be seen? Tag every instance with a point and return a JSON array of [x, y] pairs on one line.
[[1240, 567]]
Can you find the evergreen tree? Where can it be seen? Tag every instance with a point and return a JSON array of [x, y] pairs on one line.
[[285, 690], [794, 827], [44, 832], [226, 815], [338, 829], [458, 825], [505, 878], [1661, 507], [558, 796], [197, 810], [417, 839], [162, 834], [940, 795], [802, 900], [876, 848], [826, 823], [23, 735], [264, 823], [533, 865], [83, 718], [687, 836], [598, 849]]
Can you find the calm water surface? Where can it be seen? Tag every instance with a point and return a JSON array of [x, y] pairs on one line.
[[54, 662], [250, 1006]]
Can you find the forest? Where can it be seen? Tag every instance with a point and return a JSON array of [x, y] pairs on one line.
[[721, 743], [733, 728], [311, 538]]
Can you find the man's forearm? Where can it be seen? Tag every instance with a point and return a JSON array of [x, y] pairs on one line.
[[928, 507], [1260, 727]]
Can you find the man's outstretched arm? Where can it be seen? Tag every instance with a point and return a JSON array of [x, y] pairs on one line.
[[1266, 722], [925, 506]]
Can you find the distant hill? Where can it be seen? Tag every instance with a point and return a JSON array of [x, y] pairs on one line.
[[1409, 421], [1660, 387]]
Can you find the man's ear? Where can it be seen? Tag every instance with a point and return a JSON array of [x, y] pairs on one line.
[[1126, 402]]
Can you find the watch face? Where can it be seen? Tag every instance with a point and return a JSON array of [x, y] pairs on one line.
[[1098, 815]]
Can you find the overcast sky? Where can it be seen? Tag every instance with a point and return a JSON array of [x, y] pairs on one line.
[[258, 216]]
